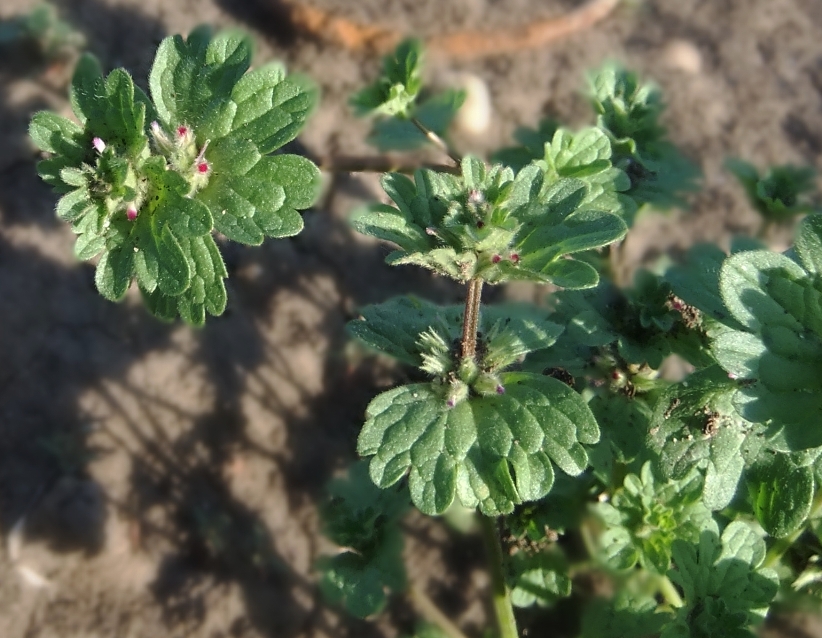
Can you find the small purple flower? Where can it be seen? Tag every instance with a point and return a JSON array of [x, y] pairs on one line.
[[98, 144], [451, 403], [500, 389]]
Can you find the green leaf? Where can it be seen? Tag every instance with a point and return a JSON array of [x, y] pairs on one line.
[[747, 281], [628, 616], [779, 350], [695, 425], [696, 282], [394, 327], [538, 579], [629, 112], [264, 200], [114, 273], [271, 108], [174, 274], [725, 588], [578, 232], [586, 155], [645, 516], [74, 205], [70, 145], [809, 243], [781, 193], [191, 77], [531, 145], [624, 423], [358, 514], [395, 91], [781, 493], [570, 274], [55, 134], [493, 451], [358, 582], [86, 87]]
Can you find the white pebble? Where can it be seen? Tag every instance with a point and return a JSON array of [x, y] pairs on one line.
[[683, 56], [14, 541], [474, 117]]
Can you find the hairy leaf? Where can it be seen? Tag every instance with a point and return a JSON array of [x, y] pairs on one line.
[[492, 451], [725, 588]]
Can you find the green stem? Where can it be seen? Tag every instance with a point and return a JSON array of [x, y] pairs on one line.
[[436, 140], [428, 610], [503, 608], [669, 592], [470, 320]]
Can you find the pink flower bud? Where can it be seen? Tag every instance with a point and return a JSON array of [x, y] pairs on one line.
[[98, 144], [182, 131], [500, 389], [514, 258], [202, 167], [131, 213], [155, 127], [450, 403], [496, 259]]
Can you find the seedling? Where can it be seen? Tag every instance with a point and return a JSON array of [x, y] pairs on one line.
[[146, 182], [554, 424]]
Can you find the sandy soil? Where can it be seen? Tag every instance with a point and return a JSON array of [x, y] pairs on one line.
[[168, 477]]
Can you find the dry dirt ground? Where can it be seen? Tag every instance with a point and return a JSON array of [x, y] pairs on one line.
[[168, 476]]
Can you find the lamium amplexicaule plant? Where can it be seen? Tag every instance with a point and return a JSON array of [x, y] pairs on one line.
[[553, 426]]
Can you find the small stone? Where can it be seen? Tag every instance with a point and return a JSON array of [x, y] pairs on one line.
[[474, 116], [683, 55]]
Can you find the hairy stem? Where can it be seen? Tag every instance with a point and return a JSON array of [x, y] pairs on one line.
[[503, 608], [378, 164], [470, 320], [436, 140], [428, 610]]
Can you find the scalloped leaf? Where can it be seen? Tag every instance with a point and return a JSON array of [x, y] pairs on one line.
[[395, 91], [262, 202], [645, 516], [271, 108], [779, 349], [394, 326], [695, 425], [726, 589], [359, 582], [191, 77], [538, 579], [493, 452]]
